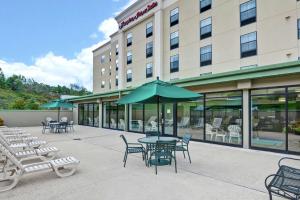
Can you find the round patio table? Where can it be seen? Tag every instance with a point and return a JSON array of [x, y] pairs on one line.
[[154, 139]]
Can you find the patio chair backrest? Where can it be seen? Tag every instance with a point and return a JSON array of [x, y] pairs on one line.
[[151, 119], [124, 139], [165, 148], [234, 128], [48, 119], [113, 121], [186, 138], [122, 123], [44, 124], [10, 157], [208, 128], [71, 123], [217, 122]]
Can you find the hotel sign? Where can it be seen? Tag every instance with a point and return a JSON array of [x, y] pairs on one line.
[[138, 15]]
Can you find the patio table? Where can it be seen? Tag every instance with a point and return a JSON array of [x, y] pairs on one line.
[[154, 139], [55, 125]]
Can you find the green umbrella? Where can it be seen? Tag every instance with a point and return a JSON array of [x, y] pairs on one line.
[[158, 92], [57, 104]]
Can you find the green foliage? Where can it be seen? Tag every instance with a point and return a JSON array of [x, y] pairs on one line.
[[17, 92], [1, 122]]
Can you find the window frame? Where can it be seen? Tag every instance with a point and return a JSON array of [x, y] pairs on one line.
[[248, 20], [248, 53], [149, 75], [149, 49], [174, 18], [149, 30], [172, 69], [204, 8], [129, 75], [206, 62], [176, 39], [129, 58], [129, 39], [206, 34]]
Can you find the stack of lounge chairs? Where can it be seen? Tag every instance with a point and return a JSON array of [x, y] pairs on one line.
[[22, 154]]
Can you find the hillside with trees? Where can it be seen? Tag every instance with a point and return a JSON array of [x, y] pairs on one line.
[[18, 92]]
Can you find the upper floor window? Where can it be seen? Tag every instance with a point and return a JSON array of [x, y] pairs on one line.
[[205, 55], [149, 49], [248, 45], [110, 56], [117, 65], [129, 57], [117, 80], [205, 28], [174, 63], [174, 40], [149, 70], [174, 17], [102, 60], [102, 71], [117, 49], [109, 84], [110, 70], [129, 39], [149, 29], [129, 75], [205, 5], [248, 12], [103, 84], [298, 28]]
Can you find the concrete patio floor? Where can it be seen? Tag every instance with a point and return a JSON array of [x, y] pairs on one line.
[[216, 172]]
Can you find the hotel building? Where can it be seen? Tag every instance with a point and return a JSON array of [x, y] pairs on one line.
[[242, 55]]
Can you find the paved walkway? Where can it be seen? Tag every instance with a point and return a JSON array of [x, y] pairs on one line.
[[217, 172]]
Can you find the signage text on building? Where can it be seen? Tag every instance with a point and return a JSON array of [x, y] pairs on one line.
[[138, 15]]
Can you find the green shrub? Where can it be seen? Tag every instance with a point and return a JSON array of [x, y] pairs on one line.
[[1, 122]]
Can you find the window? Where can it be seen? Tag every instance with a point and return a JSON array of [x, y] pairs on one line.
[[248, 12], [174, 40], [117, 80], [223, 111], [149, 29], [149, 70], [110, 70], [117, 65], [205, 5], [205, 28], [298, 28], [129, 39], [117, 49], [102, 60], [88, 114], [129, 75], [109, 85], [110, 56], [149, 49], [129, 57], [102, 71], [248, 45], [174, 17], [205, 55], [174, 63], [113, 115], [103, 84]]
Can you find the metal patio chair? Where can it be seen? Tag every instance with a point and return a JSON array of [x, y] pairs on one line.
[[132, 148], [164, 153], [45, 127], [183, 145], [285, 183]]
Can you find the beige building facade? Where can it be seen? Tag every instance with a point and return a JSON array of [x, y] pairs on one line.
[[242, 55]]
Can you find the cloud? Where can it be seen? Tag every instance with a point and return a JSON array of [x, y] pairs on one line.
[[54, 69], [108, 27], [129, 3]]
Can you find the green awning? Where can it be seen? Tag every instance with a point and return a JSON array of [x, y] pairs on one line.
[[158, 91]]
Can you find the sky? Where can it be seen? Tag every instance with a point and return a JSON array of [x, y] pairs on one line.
[[51, 41]]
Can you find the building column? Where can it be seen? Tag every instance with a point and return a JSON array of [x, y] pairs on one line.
[[126, 117], [75, 114], [100, 113], [246, 120], [121, 58], [158, 44]]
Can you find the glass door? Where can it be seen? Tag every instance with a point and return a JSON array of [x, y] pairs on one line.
[[169, 119]]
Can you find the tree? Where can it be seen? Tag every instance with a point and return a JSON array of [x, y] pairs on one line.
[[19, 104], [2, 79]]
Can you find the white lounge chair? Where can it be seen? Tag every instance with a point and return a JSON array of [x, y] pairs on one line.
[[184, 122], [210, 134], [113, 123], [13, 169], [217, 123], [30, 144], [44, 152], [122, 124]]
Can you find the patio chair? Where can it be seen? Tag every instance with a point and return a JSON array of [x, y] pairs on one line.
[[70, 126], [151, 119], [140, 125], [217, 123], [13, 169], [62, 127], [164, 153], [184, 122], [48, 120], [113, 123], [209, 133], [234, 132], [133, 148], [153, 126], [285, 182], [122, 124], [64, 119], [200, 123], [44, 152], [183, 145], [45, 127]]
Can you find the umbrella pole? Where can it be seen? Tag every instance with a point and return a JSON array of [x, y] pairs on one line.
[[58, 114], [158, 116]]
